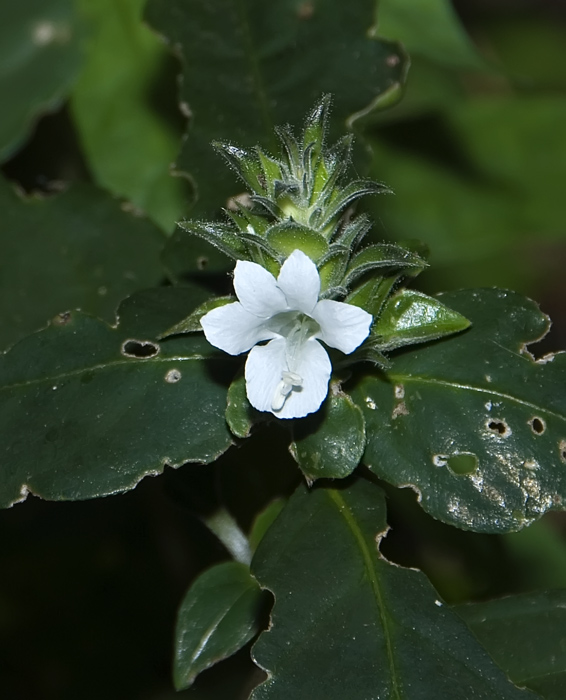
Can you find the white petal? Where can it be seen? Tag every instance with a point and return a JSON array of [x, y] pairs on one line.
[[257, 290], [233, 329], [342, 326], [264, 368], [300, 282]]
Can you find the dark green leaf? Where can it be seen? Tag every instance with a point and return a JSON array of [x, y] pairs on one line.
[[330, 443], [525, 636], [130, 145], [186, 255], [191, 324], [412, 317], [239, 412], [273, 61], [40, 56], [264, 520], [89, 410], [348, 624], [218, 615], [76, 249], [473, 422]]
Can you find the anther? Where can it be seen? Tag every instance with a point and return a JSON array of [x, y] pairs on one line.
[[284, 388]]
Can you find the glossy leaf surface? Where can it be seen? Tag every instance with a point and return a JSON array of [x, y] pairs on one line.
[[77, 249], [275, 60], [348, 624], [264, 520], [218, 615], [129, 138], [525, 636], [330, 443], [472, 421], [88, 410], [40, 57], [239, 411], [412, 317]]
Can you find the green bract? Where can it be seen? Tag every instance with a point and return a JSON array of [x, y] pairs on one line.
[[304, 200]]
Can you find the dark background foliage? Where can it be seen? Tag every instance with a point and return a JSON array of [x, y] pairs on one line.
[[477, 158]]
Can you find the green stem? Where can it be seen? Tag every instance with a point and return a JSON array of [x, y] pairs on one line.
[[223, 525]]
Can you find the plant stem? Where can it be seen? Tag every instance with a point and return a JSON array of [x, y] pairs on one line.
[[223, 525]]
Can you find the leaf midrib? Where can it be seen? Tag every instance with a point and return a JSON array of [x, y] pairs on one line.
[[407, 378], [348, 516], [107, 365], [213, 627]]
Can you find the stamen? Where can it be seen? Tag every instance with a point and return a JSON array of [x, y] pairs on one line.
[[284, 388]]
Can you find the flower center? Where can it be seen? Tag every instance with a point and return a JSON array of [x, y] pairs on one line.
[[296, 328]]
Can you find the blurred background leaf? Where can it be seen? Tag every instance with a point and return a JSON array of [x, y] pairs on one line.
[[264, 65], [76, 249], [124, 104], [475, 153], [525, 637], [428, 28], [40, 56]]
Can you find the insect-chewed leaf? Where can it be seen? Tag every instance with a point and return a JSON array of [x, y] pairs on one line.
[[473, 422], [88, 410], [348, 624]]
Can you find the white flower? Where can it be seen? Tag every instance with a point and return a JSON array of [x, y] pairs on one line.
[[288, 376]]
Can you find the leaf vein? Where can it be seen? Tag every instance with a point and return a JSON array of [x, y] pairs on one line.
[[106, 365], [481, 390], [348, 516]]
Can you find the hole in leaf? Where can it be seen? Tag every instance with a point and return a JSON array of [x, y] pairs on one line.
[[305, 11], [173, 376], [538, 426], [202, 262], [500, 427], [562, 448], [139, 348], [463, 463], [62, 319]]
